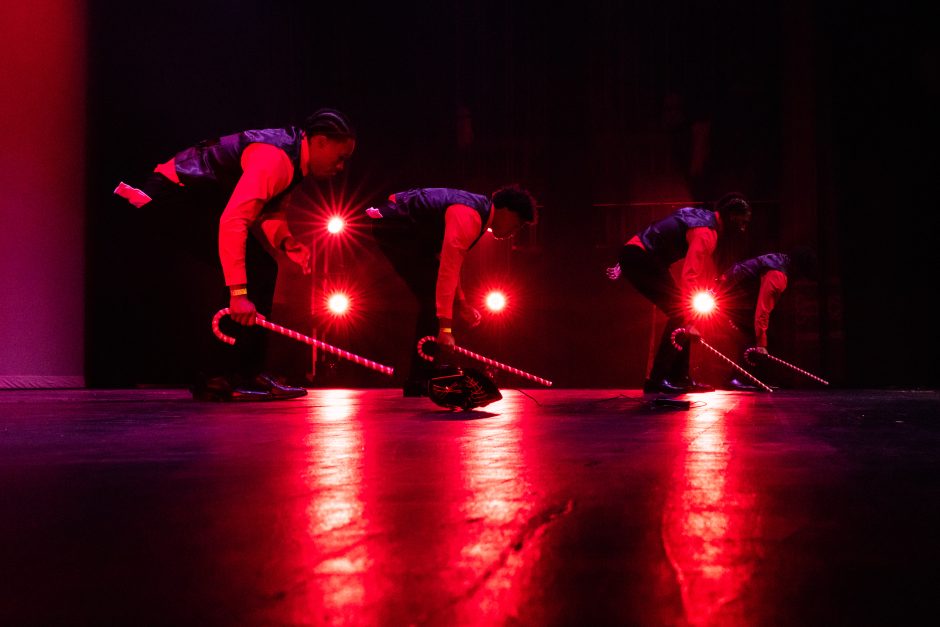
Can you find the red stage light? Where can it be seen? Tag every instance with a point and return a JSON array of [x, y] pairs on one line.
[[495, 301], [335, 225], [338, 304], [703, 302]]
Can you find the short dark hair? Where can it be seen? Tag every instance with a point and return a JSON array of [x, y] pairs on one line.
[[516, 199], [732, 202], [329, 122]]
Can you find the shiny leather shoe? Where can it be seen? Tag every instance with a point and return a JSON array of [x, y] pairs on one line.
[[690, 385], [249, 395], [221, 390], [696, 387], [665, 386], [741, 386], [276, 389]]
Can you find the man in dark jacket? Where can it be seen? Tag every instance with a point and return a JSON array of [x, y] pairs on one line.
[[691, 234], [750, 290], [426, 233], [235, 182]]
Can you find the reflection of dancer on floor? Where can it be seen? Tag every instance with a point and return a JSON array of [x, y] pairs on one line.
[[749, 292], [425, 234], [692, 235]]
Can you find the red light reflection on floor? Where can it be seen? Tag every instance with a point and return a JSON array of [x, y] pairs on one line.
[[335, 517], [496, 504], [708, 522], [451, 541]]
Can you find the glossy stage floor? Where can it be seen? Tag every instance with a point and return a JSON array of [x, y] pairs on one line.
[[550, 507]]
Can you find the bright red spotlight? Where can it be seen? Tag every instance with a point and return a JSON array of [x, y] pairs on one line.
[[703, 302], [335, 225], [495, 301], [338, 304]]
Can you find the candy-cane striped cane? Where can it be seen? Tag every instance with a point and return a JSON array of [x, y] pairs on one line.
[[260, 321], [678, 346], [485, 360], [751, 353]]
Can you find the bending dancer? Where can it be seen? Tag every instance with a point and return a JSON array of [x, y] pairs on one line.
[[692, 235], [749, 292], [232, 185], [426, 233]]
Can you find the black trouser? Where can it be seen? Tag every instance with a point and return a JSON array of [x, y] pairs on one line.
[[416, 262], [652, 279], [181, 219]]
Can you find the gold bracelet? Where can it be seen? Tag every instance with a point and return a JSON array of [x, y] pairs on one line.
[[446, 330], [241, 291]]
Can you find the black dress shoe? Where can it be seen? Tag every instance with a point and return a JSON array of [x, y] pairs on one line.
[[695, 386], [741, 386], [690, 385], [665, 386], [277, 389], [249, 395], [221, 390]]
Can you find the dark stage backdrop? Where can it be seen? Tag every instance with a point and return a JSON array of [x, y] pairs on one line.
[[613, 115]]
